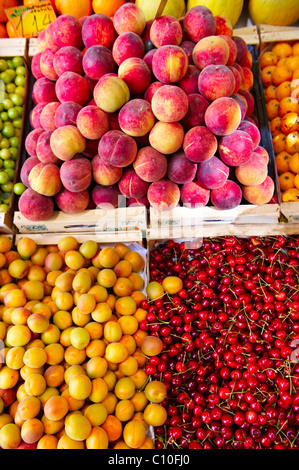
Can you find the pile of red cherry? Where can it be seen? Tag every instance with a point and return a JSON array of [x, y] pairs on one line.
[[230, 359]]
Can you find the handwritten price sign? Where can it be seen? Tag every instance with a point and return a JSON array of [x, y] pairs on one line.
[[29, 22]]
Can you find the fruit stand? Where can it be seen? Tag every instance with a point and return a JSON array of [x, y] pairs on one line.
[[149, 227]]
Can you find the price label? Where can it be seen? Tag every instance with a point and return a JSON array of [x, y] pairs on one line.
[[29, 22]]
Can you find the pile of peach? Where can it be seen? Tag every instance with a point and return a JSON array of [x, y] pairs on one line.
[[152, 112], [280, 77], [72, 362]]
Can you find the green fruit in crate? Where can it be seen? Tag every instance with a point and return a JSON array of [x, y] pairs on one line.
[[12, 97]]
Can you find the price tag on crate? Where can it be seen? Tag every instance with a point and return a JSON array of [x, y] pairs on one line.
[[29, 22]]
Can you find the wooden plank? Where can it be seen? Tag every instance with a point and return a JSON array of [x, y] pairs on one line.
[[81, 237], [269, 33], [291, 211], [11, 47], [32, 47], [249, 34]]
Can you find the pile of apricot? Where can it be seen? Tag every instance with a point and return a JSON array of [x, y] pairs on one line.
[[280, 77], [72, 362]]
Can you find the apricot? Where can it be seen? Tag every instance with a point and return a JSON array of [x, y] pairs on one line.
[[80, 386], [113, 427], [128, 324], [102, 312], [35, 357], [151, 345], [123, 287], [172, 284], [155, 391], [47, 441], [115, 352], [10, 436], [14, 357], [67, 243], [96, 413], [134, 434], [18, 335], [154, 290], [107, 277], [124, 410], [35, 384], [77, 426], [129, 366], [65, 442], [54, 375], [97, 439], [56, 408]]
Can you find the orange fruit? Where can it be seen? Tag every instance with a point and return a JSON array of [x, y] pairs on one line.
[[280, 75], [4, 4], [275, 126], [3, 31], [282, 49], [289, 123], [292, 63], [268, 58], [286, 180], [294, 87], [272, 109], [270, 93], [282, 162], [31, 3], [266, 75], [77, 9], [291, 195], [288, 105], [294, 163], [283, 90], [107, 8], [11, 31], [292, 142], [279, 143], [295, 48]]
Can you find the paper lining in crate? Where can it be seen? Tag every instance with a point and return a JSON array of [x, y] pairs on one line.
[[269, 35], [14, 47], [129, 223]]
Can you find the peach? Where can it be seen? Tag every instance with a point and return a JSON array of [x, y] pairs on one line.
[[212, 173], [68, 59], [117, 148], [76, 174], [67, 113], [248, 79], [71, 86], [262, 151], [250, 101], [151, 90], [232, 48], [227, 196], [66, 31], [41, 40], [223, 26], [35, 206], [194, 195], [237, 77], [148, 59], [43, 91], [97, 61], [28, 164], [47, 116], [136, 74], [34, 115], [199, 22], [136, 118], [106, 197], [98, 29], [43, 149], [242, 48], [211, 50], [92, 122], [66, 142], [129, 17], [131, 185], [216, 81], [189, 83], [261, 193], [150, 165], [169, 64], [180, 169], [35, 66], [46, 63], [166, 137], [137, 202], [199, 144], [126, 45], [91, 148], [253, 172], [44, 179], [111, 93], [104, 173], [163, 194], [170, 103], [197, 106], [223, 116], [252, 130], [31, 141], [242, 104], [236, 148], [166, 30], [188, 47]]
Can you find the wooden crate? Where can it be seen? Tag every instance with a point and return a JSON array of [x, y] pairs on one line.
[[14, 47], [250, 35], [127, 223]]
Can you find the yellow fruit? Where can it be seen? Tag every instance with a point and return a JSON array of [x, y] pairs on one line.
[[232, 10], [174, 8], [274, 12]]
